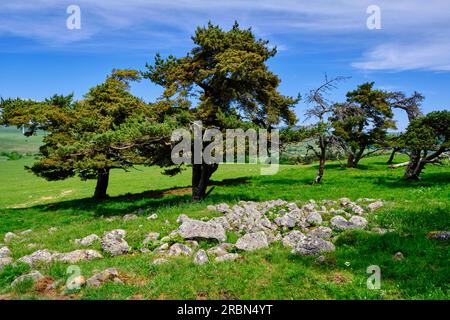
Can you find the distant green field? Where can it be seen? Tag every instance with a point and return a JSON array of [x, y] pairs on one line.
[[12, 139]]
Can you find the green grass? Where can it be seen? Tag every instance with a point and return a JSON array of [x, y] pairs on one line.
[[413, 209], [11, 140]]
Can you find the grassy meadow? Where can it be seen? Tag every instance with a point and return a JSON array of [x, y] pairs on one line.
[[412, 209]]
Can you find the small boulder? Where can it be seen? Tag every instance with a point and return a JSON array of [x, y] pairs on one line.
[[40, 256], [33, 275], [76, 283], [114, 243], [398, 256], [87, 241], [220, 249], [195, 229], [5, 252], [292, 238], [5, 261], [25, 232], [178, 249], [227, 257], [78, 255], [358, 222], [9, 236], [321, 232], [106, 275], [314, 218], [313, 246], [182, 218], [129, 217], [201, 257], [375, 205], [439, 235], [252, 241]]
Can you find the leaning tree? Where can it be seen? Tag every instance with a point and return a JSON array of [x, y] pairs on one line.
[[411, 105], [227, 78], [362, 122], [426, 138], [321, 131], [108, 129]]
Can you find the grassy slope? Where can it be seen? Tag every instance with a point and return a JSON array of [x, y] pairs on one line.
[[11, 139], [414, 208]]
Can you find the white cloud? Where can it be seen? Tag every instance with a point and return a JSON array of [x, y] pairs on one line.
[[416, 56]]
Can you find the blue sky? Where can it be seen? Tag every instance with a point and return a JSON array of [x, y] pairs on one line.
[[39, 56]]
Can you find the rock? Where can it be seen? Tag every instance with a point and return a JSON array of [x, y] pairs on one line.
[[32, 246], [227, 257], [87, 241], [398, 256], [77, 255], [195, 229], [375, 205], [114, 243], [98, 279], [162, 248], [167, 222], [314, 218], [76, 283], [345, 202], [153, 216], [178, 249], [309, 207], [4, 261], [211, 208], [28, 231], [9, 237], [159, 261], [286, 220], [223, 207], [252, 241], [440, 235], [220, 249], [192, 243], [150, 237], [33, 275], [358, 222], [129, 217], [201, 257], [5, 252], [40, 256], [321, 232], [182, 218], [221, 221], [52, 229], [329, 202], [356, 209], [313, 246], [292, 238]]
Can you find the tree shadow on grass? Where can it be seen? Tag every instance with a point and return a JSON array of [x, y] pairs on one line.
[[147, 200], [427, 180]]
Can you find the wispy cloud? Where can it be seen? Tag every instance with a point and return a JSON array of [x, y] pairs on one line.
[[415, 34]]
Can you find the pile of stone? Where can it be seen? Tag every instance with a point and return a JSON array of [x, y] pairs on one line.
[[308, 229]]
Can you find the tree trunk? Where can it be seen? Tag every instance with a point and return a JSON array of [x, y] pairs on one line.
[[201, 174], [391, 158], [322, 160], [351, 161], [415, 166], [102, 184], [320, 171]]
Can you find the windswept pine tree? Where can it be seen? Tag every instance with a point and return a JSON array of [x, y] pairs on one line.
[[108, 129], [227, 76], [362, 121]]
